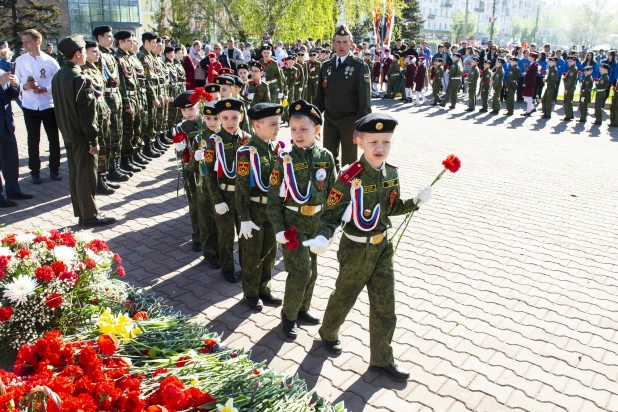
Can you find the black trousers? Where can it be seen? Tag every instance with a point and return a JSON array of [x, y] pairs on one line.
[[33, 119], [9, 162], [520, 89]]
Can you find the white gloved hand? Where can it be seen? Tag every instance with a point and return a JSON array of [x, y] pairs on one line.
[[424, 195], [221, 208], [300, 89], [180, 146], [280, 96], [319, 245], [250, 96], [246, 228], [280, 237], [198, 155]]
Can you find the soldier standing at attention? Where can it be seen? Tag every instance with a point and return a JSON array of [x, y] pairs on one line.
[[182, 82], [452, 88], [256, 159], [344, 95], [511, 85], [313, 68], [365, 196], [109, 68], [392, 78], [485, 85], [586, 90], [153, 97], [258, 91], [570, 82], [472, 80], [142, 99], [613, 110], [290, 75], [169, 55], [272, 74], [76, 113], [497, 82], [228, 87], [548, 96], [599, 101], [436, 84], [164, 86]]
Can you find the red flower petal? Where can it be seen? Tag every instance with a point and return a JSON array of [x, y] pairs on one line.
[[452, 163]]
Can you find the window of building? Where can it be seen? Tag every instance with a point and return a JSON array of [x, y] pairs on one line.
[[83, 13]]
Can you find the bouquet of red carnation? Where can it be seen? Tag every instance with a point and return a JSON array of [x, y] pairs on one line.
[[564, 74], [466, 75], [180, 141], [543, 72], [596, 79], [200, 96], [291, 236], [579, 73], [452, 164]]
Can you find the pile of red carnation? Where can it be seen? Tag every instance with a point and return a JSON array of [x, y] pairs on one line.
[[200, 95]]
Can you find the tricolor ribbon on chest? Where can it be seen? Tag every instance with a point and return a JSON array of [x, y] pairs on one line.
[[355, 209], [289, 184], [255, 177], [127, 72], [220, 159]]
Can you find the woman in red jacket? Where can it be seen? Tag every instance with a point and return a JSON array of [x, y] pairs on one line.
[[419, 81], [530, 84], [187, 63]]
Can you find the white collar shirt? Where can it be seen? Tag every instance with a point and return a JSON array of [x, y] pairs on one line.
[[42, 68]]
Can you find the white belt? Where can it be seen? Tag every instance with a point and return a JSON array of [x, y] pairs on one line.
[[229, 188], [455, 78], [271, 81], [109, 89], [130, 93], [374, 240], [306, 210], [259, 199], [143, 90]]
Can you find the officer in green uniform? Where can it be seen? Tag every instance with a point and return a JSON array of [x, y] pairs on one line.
[[585, 94], [221, 169], [497, 83], [511, 85], [365, 251], [485, 85], [272, 74], [168, 61], [601, 87], [97, 81], [164, 87], [258, 91], [76, 113], [290, 76], [472, 80], [570, 83], [138, 155], [313, 72], [299, 183], [344, 96], [153, 97], [454, 81], [551, 80], [393, 75], [438, 75], [256, 160], [109, 68]]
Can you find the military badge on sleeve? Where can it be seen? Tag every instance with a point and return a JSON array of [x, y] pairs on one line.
[[243, 168], [334, 197], [274, 177], [209, 156]]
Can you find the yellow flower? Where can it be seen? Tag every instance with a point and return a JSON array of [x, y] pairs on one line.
[[229, 406]]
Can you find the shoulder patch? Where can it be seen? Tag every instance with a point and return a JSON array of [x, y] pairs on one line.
[[334, 197], [351, 172]]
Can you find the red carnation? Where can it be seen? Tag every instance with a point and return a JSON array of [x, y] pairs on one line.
[[210, 342], [580, 72], [159, 371], [4, 261], [9, 240], [121, 271], [292, 241], [452, 163], [50, 244], [69, 278], [140, 316], [53, 301], [23, 254], [256, 372], [543, 71], [234, 355], [205, 351], [67, 239], [108, 344], [117, 258], [90, 264], [564, 74], [596, 79], [44, 273], [183, 360], [156, 408], [194, 98], [5, 313], [180, 137], [58, 267], [2, 274]]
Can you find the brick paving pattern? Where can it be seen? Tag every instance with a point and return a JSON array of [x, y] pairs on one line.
[[506, 279]]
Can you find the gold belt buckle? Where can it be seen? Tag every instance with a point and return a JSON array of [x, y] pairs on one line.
[[377, 239], [307, 210]]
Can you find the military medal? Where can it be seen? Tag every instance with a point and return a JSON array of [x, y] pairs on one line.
[[367, 213], [320, 175]]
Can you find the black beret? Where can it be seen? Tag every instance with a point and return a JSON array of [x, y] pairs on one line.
[[310, 39], [588, 68], [313, 53], [456, 54], [212, 88], [122, 35], [285, 59], [149, 36], [237, 81], [438, 59], [376, 123], [302, 108], [242, 66], [262, 110], [553, 59], [101, 30], [605, 66], [514, 58], [90, 43], [168, 49], [300, 54], [342, 31], [487, 62], [69, 45], [209, 109], [50, 44], [574, 58], [177, 49], [396, 56], [230, 104], [159, 40], [225, 79], [501, 60], [265, 47], [476, 59], [226, 70], [256, 64], [183, 100]]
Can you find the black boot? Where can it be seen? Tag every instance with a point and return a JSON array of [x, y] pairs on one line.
[[149, 152], [115, 174], [140, 153], [289, 326], [109, 183], [125, 164], [136, 159], [158, 145], [392, 371], [163, 141], [121, 169], [102, 188]]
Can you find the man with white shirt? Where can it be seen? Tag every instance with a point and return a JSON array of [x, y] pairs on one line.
[[280, 54], [35, 71]]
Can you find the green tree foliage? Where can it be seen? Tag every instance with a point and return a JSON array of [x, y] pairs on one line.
[[457, 27], [408, 21], [28, 14]]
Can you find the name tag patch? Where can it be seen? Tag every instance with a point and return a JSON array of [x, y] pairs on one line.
[[390, 183], [370, 188], [321, 165], [301, 166]]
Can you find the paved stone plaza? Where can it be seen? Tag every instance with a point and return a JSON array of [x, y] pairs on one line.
[[506, 279]]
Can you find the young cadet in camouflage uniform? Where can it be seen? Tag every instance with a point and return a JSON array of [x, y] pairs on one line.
[[300, 56], [585, 93], [300, 80], [138, 156], [182, 82], [472, 80], [164, 86], [511, 85], [109, 68], [229, 88], [394, 72], [258, 91], [570, 82], [256, 160], [599, 101], [272, 74], [220, 158], [485, 85], [97, 81], [313, 72], [291, 77], [215, 90], [153, 96], [454, 81], [299, 184], [551, 80], [436, 83], [129, 87], [174, 89], [497, 82], [365, 251]]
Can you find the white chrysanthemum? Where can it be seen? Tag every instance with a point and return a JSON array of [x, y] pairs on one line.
[[83, 237], [5, 251], [19, 290], [99, 259], [65, 254], [24, 238]]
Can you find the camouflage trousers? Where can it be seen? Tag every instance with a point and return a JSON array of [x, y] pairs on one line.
[[206, 222], [131, 126], [104, 123], [274, 93], [599, 102], [583, 107], [258, 253], [150, 113], [568, 103], [143, 117], [495, 101], [312, 88], [451, 92], [363, 265], [471, 96], [192, 197], [547, 100], [510, 97], [113, 140], [227, 228]]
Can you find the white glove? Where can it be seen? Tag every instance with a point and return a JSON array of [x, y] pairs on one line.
[[198, 155], [221, 208], [280, 237], [280, 96], [180, 146], [318, 245], [250, 96], [246, 228], [424, 195], [300, 89]]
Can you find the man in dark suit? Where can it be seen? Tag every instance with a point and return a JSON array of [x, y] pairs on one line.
[[9, 160]]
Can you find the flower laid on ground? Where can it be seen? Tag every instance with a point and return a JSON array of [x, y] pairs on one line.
[[19, 289], [228, 407], [120, 325]]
